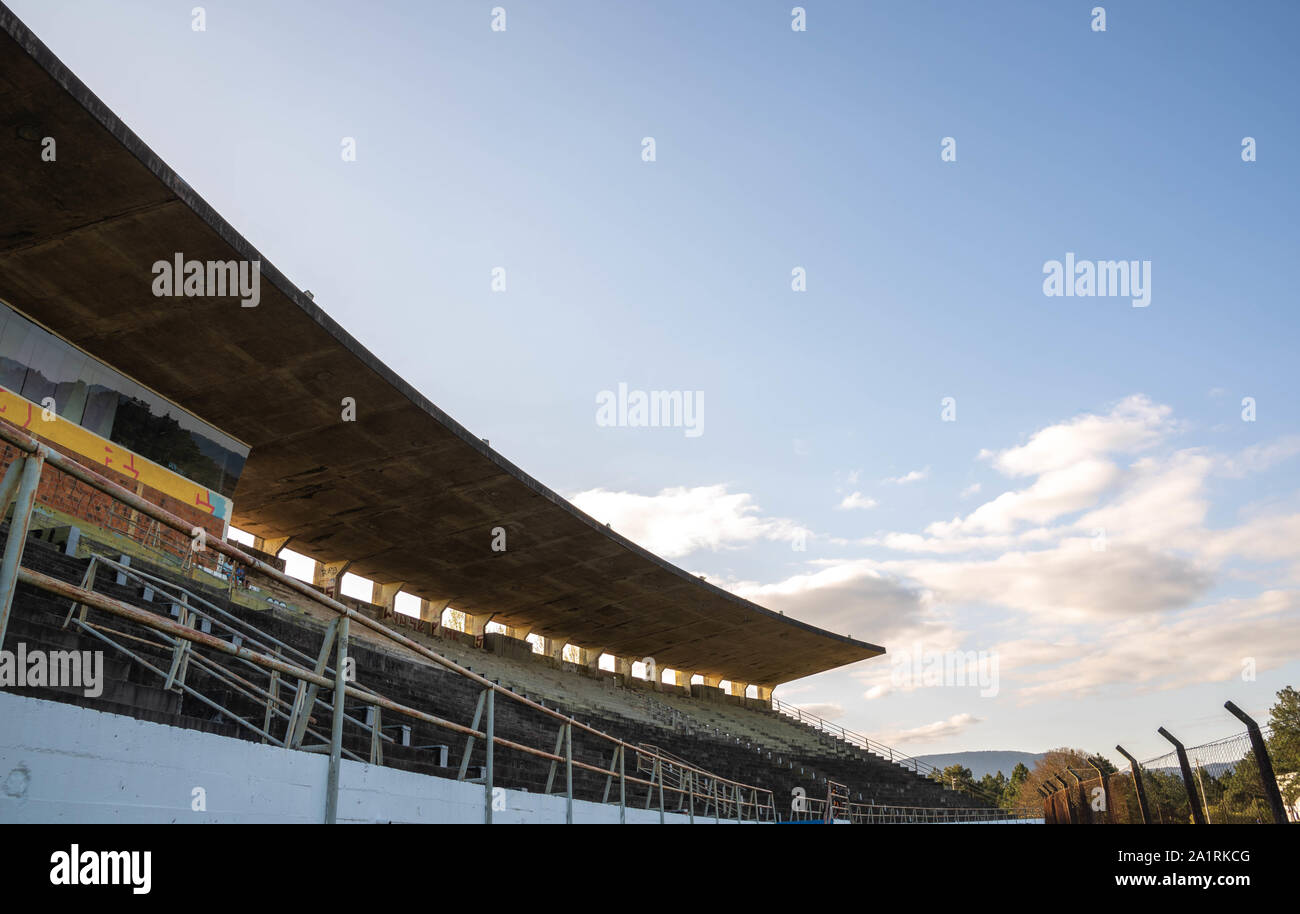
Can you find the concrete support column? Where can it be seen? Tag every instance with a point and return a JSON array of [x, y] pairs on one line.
[[431, 612], [554, 649], [477, 625], [385, 595], [765, 694], [682, 678], [738, 688], [590, 657], [623, 666], [328, 576], [712, 681], [518, 633]]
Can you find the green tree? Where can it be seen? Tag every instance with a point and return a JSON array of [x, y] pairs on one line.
[[1284, 744], [1011, 792], [958, 777]]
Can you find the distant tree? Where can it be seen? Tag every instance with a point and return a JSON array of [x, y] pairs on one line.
[[958, 777], [1011, 792], [1100, 761], [1045, 771], [1284, 743], [991, 787], [1167, 796]]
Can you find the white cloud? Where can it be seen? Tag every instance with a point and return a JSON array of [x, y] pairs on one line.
[[828, 710], [1261, 457], [940, 729], [1132, 426], [972, 489], [1101, 563], [1055, 493], [1069, 581], [913, 476], [1159, 652], [680, 520], [849, 598], [856, 500]]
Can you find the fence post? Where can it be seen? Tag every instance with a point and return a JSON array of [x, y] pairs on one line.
[[568, 773], [1137, 784], [1266, 776], [1072, 814], [1198, 815], [490, 746], [1081, 792], [25, 480], [336, 724], [1105, 792], [690, 786], [622, 788], [1049, 812], [659, 769]]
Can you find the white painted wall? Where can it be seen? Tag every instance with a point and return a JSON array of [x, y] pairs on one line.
[[63, 763]]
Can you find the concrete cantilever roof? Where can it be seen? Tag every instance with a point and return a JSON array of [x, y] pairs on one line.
[[405, 492]]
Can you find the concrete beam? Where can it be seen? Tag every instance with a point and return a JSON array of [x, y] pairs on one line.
[[432, 610], [328, 576], [385, 595], [273, 546], [477, 625]]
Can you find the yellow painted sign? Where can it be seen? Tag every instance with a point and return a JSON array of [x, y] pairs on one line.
[[35, 420]]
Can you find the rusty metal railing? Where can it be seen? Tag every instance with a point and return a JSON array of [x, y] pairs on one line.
[[722, 797], [815, 810], [878, 749]]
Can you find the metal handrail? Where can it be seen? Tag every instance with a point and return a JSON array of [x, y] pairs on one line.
[[760, 799], [814, 810], [862, 742], [849, 736]]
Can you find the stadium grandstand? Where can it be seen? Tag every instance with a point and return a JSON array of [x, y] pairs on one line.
[[145, 411]]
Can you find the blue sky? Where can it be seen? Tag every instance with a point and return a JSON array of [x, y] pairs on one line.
[[777, 149]]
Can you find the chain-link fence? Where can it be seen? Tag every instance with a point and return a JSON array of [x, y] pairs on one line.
[[1229, 781], [1102, 799]]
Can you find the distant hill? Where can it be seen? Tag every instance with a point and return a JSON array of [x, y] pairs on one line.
[[984, 762]]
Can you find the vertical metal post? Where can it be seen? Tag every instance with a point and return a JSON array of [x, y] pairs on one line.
[[568, 773], [469, 741], [272, 698], [491, 746], [376, 736], [336, 729], [1107, 813], [622, 789], [659, 767], [1198, 815], [690, 792], [304, 700], [1265, 765], [28, 482]]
